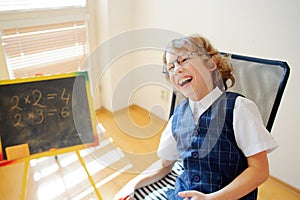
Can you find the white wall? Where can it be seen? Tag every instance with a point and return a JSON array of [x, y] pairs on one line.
[[267, 29], [121, 80], [113, 17]]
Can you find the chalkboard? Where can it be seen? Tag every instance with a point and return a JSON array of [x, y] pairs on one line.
[[47, 113]]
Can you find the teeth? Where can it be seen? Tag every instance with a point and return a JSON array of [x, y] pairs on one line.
[[184, 81]]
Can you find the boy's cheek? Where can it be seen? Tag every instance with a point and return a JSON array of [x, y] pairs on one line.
[[173, 82], [175, 86]]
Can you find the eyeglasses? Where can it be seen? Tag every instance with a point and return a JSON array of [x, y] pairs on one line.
[[181, 60]]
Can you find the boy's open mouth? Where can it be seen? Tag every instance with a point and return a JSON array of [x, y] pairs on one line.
[[182, 82]]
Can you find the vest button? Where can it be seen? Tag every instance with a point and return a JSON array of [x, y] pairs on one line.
[[195, 155], [196, 178], [195, 132]]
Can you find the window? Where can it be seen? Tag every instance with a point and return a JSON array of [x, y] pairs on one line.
[[45, 49], [12, 5]]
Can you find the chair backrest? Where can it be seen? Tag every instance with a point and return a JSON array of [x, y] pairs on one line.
[[261, 80]]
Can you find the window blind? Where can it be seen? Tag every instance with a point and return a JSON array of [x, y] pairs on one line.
[[45, 49], [10, 5]]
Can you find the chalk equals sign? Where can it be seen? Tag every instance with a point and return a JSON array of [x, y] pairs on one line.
[[51, 96], [51, 112]]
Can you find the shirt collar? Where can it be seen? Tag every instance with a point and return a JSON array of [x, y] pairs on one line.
[[206, 101]]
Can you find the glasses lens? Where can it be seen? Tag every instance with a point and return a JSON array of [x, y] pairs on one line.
[[183, 60], [170, 66]]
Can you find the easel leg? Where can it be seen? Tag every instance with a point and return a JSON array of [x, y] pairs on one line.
[[24, 179], [89, 176]]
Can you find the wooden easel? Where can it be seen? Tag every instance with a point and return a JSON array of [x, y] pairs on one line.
[[26, 162], [51, 102]]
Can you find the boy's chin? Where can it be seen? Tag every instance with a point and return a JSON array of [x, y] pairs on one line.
[[189, 94]]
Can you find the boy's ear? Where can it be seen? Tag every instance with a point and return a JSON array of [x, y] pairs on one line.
[[213, 65]]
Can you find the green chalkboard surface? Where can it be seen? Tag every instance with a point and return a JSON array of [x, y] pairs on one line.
[[46, 112]]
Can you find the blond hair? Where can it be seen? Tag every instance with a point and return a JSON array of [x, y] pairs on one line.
[[200, 44]]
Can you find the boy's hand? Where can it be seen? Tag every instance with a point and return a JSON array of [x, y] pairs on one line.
[[193, 195]]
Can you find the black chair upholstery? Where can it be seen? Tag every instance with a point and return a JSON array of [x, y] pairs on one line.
[[261, 80]]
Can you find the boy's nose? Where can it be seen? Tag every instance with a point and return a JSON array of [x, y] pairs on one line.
[[177, 68]]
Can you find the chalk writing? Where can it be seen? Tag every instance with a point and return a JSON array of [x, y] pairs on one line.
[[36, 107], [15, 101], [39, 97]]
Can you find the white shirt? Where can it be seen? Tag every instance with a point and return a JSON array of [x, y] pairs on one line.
[[250, 133]]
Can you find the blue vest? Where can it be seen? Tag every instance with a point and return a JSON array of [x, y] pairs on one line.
[[211, 157]]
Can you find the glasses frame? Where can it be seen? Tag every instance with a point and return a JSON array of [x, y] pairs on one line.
[[183, 62]]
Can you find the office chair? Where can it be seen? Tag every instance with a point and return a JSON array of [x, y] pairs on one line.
[[260, 80]]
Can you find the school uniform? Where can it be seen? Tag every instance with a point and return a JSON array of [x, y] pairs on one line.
[[214, 137]]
